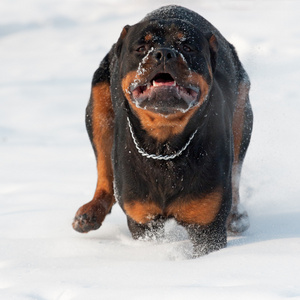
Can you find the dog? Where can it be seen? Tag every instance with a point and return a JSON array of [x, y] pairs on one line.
[[170, 121]]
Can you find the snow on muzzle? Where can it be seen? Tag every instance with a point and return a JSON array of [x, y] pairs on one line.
[[163, 95]]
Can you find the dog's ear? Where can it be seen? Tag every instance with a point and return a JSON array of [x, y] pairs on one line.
[[121, 39], [213, 48]]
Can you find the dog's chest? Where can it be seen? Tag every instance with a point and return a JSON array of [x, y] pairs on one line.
[[161, 181]]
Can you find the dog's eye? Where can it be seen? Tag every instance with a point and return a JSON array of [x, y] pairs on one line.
[[186, 48], [141, 49]]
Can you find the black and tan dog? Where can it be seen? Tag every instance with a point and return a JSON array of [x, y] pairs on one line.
[[170, 121]]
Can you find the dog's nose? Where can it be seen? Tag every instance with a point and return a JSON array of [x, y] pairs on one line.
[[164, 54]]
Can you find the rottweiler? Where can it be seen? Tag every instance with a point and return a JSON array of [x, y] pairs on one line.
[[170, 121]]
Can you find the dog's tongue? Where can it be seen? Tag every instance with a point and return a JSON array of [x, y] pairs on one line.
[[162, 82]]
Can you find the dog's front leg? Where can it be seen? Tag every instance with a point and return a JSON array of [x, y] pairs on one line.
[[207, 238], [100, 127]]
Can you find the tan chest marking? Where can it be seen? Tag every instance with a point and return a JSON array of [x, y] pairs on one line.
[[200, 211]]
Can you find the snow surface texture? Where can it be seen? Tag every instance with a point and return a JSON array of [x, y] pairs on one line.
[[49, 51]]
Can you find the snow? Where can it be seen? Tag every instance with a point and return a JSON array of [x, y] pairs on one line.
[[49, 51]]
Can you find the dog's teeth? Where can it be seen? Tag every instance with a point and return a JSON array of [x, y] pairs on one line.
[[167, 83]]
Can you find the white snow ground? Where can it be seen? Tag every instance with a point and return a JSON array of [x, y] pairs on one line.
[[49, 51]]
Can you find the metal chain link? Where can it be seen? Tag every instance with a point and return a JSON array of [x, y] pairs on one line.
[[154, 156]]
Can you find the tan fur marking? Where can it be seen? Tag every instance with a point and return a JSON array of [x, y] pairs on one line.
[[103, 136], [180, 35], [201, 211], [163, 127], [142, 212], [213, 43], [192, 211], [148, 37], [198, 80], [124, 32]]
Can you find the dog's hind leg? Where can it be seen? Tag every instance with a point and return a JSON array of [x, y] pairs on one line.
[[238, 220]]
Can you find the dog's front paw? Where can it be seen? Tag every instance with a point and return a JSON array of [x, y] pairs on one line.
[[89, 216], [237, 222]]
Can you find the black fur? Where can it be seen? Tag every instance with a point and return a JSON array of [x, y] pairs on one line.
[[207, 163]]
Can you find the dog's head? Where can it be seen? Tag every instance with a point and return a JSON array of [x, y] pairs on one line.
[[166, 69]]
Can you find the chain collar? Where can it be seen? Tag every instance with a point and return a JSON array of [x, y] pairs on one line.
[[154, 156]]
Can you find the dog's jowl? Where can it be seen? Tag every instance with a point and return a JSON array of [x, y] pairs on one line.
[[170, 121]]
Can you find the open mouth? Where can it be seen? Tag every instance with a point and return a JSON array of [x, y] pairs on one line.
[[163, 94]]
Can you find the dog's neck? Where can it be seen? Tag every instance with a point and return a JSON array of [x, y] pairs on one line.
[[154, 156]]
